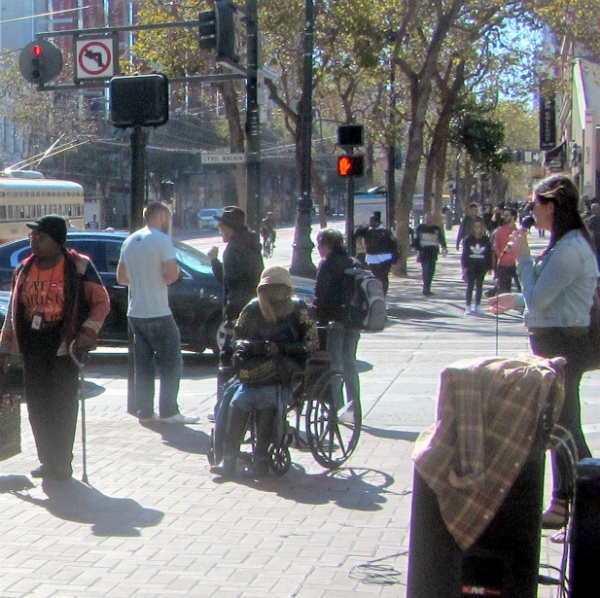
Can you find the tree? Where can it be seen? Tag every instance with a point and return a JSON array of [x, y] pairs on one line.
[[41, 118]]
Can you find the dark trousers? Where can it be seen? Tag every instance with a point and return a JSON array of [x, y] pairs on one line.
[[382, 272], [51, 385], [428, 262], [506, 274], [474, 281], [555, 342]]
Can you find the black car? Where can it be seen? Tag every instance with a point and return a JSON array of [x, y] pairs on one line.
[[195, 298]]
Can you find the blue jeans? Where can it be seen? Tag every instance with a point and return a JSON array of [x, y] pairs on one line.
[[156, 345], [341, 345]]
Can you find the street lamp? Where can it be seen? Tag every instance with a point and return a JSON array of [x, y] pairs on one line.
[[302, 247]]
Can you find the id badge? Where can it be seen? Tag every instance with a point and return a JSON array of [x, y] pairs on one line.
[[36, 321]]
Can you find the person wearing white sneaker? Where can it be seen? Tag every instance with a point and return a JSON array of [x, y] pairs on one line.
[[148, 266], [476, 261], [179, 418]]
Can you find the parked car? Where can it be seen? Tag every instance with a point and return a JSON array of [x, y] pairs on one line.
[[206, 218], [196, 298]]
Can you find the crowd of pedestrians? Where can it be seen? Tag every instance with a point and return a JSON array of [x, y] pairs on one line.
[[58, 302]]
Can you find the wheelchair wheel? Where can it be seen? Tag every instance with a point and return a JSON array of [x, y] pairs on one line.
[[210, 451], [281, 460], [332, 433]]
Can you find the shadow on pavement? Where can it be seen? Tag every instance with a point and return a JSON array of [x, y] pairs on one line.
[[357, 488], [14, 483], [74, 501], [187, 440], [391, 434]]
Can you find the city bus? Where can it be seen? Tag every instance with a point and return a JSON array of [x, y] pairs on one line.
[[25, 199]]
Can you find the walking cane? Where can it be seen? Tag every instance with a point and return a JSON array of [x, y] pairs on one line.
[[81, 367]]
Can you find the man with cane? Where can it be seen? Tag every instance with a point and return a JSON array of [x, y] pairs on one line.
[[57, 301]]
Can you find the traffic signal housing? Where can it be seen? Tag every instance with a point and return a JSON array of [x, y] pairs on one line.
[[220, 30], [40, 61], [350, 166], [350, 135], [139, 100]]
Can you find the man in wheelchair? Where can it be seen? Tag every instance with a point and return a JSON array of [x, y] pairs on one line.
[[273, 337]]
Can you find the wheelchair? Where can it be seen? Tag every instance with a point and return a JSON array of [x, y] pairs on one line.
[[322, 416]]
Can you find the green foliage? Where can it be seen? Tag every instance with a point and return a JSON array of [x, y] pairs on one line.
[[40, 117], [483, 139]]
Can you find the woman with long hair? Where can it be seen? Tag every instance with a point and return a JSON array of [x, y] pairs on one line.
[[558, 289]]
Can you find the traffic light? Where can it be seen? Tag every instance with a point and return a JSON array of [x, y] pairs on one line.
[[208, 29], [350, 135], [351, 165], [40, 61], [139, 100], [220, 30]]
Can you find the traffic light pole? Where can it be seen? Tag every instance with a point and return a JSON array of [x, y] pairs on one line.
[[350, 243], [252, 120], [138, 177]]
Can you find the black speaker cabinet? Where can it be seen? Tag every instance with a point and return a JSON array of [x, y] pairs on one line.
[[585, 534], [503, 562]]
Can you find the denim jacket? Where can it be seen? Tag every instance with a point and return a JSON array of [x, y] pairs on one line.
[[559, 288]]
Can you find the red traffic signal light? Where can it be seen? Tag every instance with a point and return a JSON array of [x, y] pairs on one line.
[[40, 61], [351, 165]]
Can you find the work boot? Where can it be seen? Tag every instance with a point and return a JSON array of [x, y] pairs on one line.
[[237, 422]]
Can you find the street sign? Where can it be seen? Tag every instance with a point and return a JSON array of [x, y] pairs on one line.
[[94, 58], [223, 158]]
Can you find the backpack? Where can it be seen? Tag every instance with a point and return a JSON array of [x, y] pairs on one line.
[[365, 307]]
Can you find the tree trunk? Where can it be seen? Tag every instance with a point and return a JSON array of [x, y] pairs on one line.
[[236, 139]]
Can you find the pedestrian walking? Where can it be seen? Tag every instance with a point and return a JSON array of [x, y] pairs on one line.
[[506, 265], [428, 239], [57, 299], [466, 226], [148, 266], [476, 262], [381, 247]]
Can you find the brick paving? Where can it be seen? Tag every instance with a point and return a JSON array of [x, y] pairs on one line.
[[154, 523]]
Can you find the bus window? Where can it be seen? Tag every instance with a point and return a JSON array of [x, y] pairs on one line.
[[2, 212], [10, 212], [22, 214]]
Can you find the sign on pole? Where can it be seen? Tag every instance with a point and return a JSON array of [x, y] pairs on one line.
[[223, 158], [95, 58]]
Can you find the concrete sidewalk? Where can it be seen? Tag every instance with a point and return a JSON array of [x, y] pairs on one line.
[[155, 523]]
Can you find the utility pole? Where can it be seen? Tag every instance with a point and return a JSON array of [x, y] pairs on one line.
[[252, 119], [303, 246]]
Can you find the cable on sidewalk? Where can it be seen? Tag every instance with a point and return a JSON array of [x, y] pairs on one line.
[[374, 573]]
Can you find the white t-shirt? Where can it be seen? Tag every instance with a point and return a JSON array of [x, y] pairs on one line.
[[144, 253]]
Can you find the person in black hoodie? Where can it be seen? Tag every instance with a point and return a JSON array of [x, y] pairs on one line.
[[476, 263], [332, 293], [239, 273]]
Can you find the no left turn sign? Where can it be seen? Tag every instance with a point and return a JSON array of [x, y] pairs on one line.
[[94, 58]]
